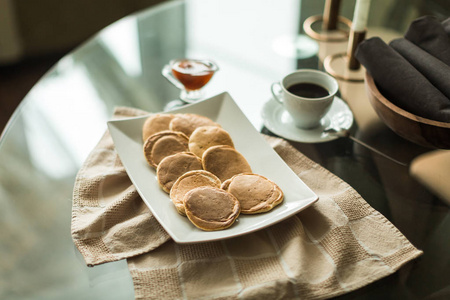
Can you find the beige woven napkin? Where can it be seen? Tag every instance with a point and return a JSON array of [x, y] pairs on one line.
[[335, 246]]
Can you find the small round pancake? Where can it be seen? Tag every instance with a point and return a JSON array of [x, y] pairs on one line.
[[187, 123], [205, 137], [173, 166], [255, 193], [188, 181], [224, 162], [210, 208], [163, 144], [156, 123], [226, 183]]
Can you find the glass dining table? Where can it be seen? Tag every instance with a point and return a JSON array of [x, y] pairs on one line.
[[254, 43]]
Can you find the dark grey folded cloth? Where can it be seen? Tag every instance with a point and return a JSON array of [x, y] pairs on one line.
[[446, 25], [401, 82], [430, 35], [413, 72], [436, 71]]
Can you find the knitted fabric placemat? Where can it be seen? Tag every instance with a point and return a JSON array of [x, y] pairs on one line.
[[337, 245]]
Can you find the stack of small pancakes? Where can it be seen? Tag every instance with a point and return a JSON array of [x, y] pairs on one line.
[[207, 179]]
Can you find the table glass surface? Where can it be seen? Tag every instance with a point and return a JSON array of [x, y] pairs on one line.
[[254, 43]]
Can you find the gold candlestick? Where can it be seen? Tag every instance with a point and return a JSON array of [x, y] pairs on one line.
[[330, 14], [356, 37], [331, 31], [345, 66]]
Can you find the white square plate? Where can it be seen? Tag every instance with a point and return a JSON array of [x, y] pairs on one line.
[[127, 136]]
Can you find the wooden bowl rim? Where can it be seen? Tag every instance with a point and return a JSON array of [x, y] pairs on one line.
[[374, 90]]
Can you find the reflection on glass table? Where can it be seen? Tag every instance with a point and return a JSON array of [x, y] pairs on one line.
[[65, 114]]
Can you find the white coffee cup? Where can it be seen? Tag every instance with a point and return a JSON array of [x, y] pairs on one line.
[[306, 110]]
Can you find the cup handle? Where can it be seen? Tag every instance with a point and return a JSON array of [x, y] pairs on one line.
[[167, 72], [276, 95]]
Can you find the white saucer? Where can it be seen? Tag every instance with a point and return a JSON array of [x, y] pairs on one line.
[[280, 122]]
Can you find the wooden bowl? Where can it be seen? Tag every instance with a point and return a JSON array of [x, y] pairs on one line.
[[425, 132]]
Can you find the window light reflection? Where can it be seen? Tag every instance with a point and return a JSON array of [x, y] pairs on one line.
[[219, 30], [64, 139], [122, 40]]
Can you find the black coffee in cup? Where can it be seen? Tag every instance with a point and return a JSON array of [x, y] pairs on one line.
[[308, 90], [292, 90]]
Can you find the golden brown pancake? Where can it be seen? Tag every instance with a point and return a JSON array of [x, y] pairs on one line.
[[226, 183], [205, 137], [187, 123], [163, 144], [188, 181], [210, 208], [173, 166], [224, 162], [156, 123], [255, 193]]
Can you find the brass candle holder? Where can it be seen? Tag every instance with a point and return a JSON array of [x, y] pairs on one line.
[[345, 66], [330, 29]]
